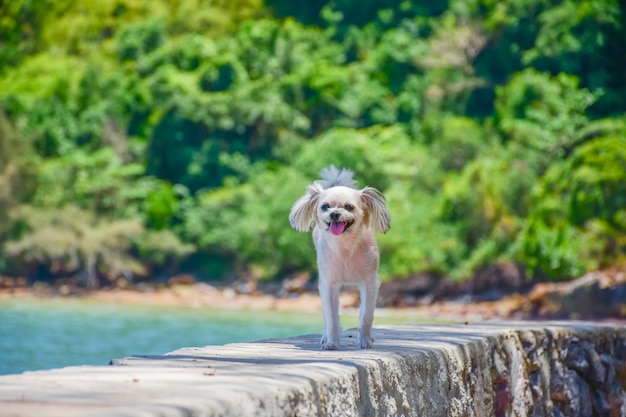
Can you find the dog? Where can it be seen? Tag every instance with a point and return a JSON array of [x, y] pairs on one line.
[[345, 221]]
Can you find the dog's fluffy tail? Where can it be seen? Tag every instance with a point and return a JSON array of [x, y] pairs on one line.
[[333, 176]]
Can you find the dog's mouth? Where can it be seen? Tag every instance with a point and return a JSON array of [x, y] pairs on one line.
[[338, 228]]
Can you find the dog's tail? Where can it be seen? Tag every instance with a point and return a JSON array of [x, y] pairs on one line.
[[333, 176]]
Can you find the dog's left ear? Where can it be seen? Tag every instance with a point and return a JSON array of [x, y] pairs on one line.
[[376, 211], [302, 216]]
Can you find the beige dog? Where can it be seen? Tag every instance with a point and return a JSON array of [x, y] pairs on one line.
[[344, 222]]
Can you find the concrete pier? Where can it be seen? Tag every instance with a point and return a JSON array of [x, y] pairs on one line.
[[483, 369]]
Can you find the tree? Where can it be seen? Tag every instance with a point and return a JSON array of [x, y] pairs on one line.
[[541, 116], [578, 220], [69, 241], [17, 172]]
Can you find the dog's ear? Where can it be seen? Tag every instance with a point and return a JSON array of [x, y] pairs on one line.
[[303, 211], [376, 211]]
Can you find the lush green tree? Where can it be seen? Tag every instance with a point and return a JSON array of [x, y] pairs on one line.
[[577, 220], [542, 116], [101, 182], [349, 13], [73, 241], [575, 37], [18, 171], [20, 30], [17, 166]]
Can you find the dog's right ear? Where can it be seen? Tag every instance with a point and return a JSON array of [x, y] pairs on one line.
[[302, 216]]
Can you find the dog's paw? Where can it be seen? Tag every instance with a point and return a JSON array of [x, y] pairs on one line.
[[327, 344], [366, 342], [330, 346]]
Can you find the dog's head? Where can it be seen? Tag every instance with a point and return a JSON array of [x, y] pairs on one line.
[[340, 210]]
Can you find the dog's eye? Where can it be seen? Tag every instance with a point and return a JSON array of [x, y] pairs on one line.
[[349, 207], [325, 207]]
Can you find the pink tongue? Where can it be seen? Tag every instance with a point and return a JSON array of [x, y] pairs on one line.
[[336, 228]]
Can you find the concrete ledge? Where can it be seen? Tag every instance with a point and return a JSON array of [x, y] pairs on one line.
[[500, 369]]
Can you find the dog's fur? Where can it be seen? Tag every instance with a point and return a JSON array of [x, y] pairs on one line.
[[344, 222]]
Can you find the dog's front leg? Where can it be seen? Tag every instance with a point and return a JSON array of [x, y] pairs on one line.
[[369, 294], [329, 293]]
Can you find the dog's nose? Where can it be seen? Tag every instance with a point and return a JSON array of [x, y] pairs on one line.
[[334, 216]]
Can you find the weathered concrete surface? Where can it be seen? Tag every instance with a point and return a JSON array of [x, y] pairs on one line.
[[486, 369]]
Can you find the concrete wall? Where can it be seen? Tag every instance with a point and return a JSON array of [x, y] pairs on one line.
[[486, 369]]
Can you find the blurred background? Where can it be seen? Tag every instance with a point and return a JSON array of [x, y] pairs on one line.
[[144, 140]]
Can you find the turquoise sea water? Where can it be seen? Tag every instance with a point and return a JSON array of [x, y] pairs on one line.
[[47, 334]]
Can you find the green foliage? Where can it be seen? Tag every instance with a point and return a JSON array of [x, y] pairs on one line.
[[542, 115], [555, 250], [20, 30], [100, 182], [142, 133], [577, 219], [486, 203], [248, 223], [458, 141], [139, 39], [70, 240], [348, 13], [17, 172]]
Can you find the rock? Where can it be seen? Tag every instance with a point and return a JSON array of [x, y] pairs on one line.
[[488, 284], [595, 295], [181, 279], [416, 290], [496, 281], [203, 287], [295, 285], [582, 358]]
